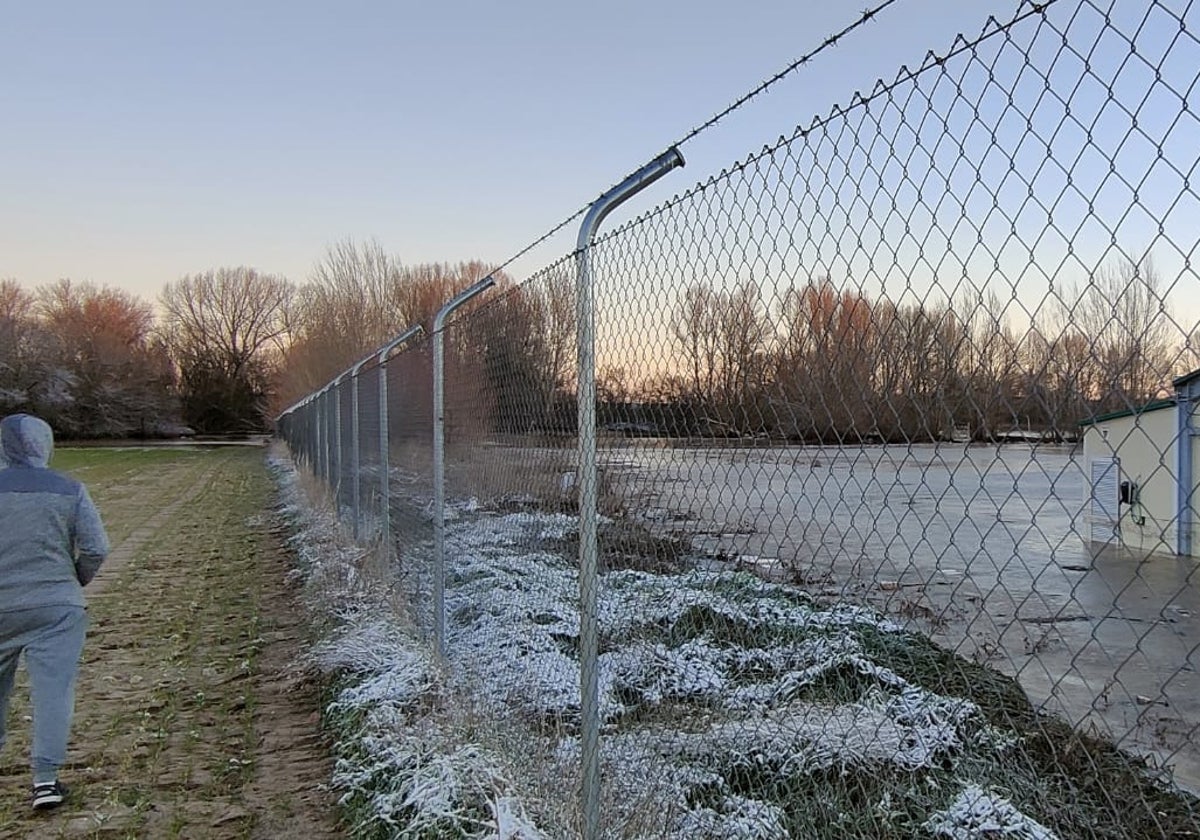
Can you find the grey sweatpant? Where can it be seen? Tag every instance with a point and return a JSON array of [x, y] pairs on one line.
[[52, 639]]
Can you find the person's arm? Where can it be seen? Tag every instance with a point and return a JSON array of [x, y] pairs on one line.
[[91, 542]]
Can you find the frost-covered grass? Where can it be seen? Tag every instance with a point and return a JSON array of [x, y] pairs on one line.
[[413, 760], [732, 708]]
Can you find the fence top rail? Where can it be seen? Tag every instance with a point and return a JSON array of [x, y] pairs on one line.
[[378, 355], [459, 299], [386, 350]]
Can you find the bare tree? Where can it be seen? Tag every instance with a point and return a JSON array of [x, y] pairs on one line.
[[826, 361], [523, 337], [1124, 312], [21, 363], [553, 302], [723, 339], [989, 366], [352, 300], [222, 328], [743, 332], [695, 326], [1190, 355], [357, 297], [109, 376]]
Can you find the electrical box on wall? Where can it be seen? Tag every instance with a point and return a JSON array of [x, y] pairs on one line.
[[1128, 493]]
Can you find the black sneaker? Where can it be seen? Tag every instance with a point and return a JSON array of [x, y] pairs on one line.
[[48, 795]]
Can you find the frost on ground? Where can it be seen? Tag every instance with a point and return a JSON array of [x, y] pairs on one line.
[[976, 815], [720, 694], [404, 765]]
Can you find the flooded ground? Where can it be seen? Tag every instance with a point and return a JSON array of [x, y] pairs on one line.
[[982, 547]]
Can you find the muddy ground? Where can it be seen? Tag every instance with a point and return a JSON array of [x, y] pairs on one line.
[[192, 718]]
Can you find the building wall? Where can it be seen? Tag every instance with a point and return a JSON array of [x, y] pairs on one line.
[[1196, 482], [1145, 445]]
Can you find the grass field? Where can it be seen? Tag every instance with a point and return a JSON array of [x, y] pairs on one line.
[[169, 711]]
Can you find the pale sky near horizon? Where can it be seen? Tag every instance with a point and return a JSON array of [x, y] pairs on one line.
[[147, 140], [143, 141]]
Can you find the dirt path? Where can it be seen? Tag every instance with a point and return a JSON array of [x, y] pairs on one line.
[[130, 547], [190, 720]]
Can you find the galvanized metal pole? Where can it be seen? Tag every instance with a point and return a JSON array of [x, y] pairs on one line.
[[297, 435], [355, 459], [327, 433], [1187, 397], [439, 459], [318, 440], [336, 479], [310, 411], [321, 406], [327, 418], [385, 469], [310, 435], [586, 408], [385, 487]]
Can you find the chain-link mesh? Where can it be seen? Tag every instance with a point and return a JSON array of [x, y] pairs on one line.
[[898, 463]]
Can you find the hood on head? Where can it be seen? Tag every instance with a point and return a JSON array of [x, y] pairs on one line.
[[26, 441]]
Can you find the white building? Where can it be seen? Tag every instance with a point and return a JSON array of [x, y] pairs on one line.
[[1141, 466]]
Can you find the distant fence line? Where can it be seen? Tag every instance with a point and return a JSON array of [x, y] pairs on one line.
[[882, 451]]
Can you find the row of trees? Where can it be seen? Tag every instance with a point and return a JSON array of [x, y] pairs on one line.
[[228, 348], [88, 359], [99, 362], [222, 352], [831, 363], [818, 361]]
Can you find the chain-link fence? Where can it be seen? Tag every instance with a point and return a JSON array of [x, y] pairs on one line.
[[896, 447]]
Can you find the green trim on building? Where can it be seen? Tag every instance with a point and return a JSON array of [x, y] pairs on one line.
[[1156, 405]]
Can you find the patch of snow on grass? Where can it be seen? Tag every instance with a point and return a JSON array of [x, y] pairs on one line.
[[400, 760], [423, 786], [976, 814], [740, 646], [804, 738], [509, 821], [390, 667], [734, 818]]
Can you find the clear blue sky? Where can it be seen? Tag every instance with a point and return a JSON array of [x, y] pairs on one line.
[[142, 141], [145, 140]]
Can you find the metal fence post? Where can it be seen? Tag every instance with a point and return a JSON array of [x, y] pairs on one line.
[[314, 421], [321, 409], [439, 463], [336, 480], [327, 420], [586, 406], [355, 458], [310, 436], [1188, 390]]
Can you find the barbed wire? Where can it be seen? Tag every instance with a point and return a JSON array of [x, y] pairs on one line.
[[829, 42], [932, 60]]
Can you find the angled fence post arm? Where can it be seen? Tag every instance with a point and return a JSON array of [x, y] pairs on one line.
[[586, 407]]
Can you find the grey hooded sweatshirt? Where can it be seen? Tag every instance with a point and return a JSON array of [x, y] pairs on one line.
[[51, 539]]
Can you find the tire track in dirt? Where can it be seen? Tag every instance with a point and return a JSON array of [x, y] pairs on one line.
[[132, 545], [289, 792]]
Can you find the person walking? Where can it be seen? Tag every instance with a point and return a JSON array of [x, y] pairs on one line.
[[52, 543]]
